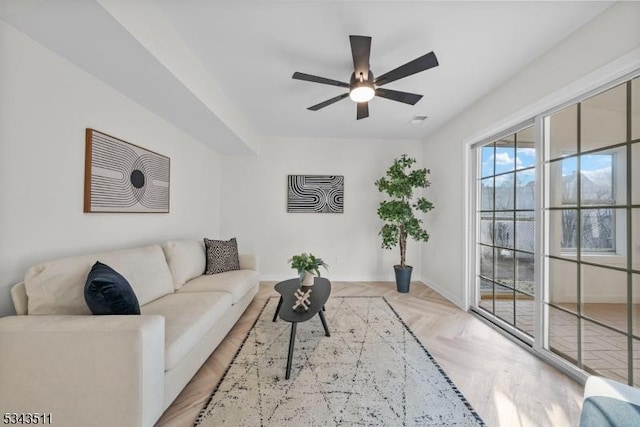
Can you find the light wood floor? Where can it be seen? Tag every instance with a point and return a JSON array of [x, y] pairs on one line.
[[504, 383]]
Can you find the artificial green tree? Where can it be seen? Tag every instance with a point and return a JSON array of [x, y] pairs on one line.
[[399, 213]]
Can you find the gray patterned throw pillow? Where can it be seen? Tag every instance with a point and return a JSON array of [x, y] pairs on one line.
[[221, 256]]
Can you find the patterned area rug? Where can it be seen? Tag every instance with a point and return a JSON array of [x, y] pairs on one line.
[[371, 371]]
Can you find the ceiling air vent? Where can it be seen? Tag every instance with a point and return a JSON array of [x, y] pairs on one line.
[[416, 120]]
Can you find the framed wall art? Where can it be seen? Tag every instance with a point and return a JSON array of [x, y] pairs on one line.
[[315, 193], [122, 177]]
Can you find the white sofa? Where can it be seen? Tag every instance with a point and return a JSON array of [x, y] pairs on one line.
[[56, 358]]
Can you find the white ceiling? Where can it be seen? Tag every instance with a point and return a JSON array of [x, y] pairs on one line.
[[230, 62]]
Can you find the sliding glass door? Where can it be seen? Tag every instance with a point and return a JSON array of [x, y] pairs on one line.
[[506, 238], [592, 224], [586, 311]]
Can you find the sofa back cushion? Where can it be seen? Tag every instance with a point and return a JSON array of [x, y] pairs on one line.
[[57, 287], [186, 259]]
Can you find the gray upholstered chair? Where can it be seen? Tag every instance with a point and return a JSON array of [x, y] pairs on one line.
[[609, 403]]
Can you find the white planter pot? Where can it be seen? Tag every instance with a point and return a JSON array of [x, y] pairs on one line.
[[307, 279]]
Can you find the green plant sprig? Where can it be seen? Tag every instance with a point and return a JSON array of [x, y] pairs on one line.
[[307, 262]]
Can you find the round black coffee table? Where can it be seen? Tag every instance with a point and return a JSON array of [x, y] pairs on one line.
[[321, 290]]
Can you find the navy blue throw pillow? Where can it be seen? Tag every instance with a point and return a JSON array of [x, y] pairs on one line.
[[108, 292]]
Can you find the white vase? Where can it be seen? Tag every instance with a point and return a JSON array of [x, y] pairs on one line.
[[307, 279]]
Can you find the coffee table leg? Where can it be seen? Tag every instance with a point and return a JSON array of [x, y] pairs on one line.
[[292, 341], [324, 323], [275, 316]]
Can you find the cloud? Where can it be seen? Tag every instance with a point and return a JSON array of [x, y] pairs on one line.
[[529, 152], [502, 159]]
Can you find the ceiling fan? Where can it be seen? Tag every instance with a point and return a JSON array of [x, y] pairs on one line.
[[363, 86]]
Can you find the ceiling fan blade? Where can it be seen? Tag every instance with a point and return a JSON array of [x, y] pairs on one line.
[[395, 95], [360, 50], [363, 110], [417, 65], [328, 102], [316, 79]]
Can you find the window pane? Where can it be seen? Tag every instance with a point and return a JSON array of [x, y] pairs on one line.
[[525, 189], [504, 192], [505, 156], [486, 294], [486, 261], [599, 230], [635, 238], [486, 228], [504, 303], [524, 273], [635, 310], [524, 312], [525, 149], [504, 267], [604, 177], [563, 182], [563, 284], [487, 160], [597, 179], [525, 231], [563, 334], [635, 173], [604, 351], [503, 232], [635, 108], [636, 362], [561, 129], [486, 194], [604, 119], [563, 232], [604, 295]]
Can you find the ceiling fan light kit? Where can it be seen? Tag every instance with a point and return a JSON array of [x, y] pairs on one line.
[[362, 89], [362, 92]]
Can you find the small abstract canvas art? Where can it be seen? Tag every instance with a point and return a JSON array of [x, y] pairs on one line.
[[122, 177], [315, 193]]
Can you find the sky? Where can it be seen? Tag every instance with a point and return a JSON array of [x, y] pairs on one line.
[[594, 166], [507, 159]]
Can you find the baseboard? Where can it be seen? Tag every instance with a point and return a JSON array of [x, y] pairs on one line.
[[348, 278], [445, 293], [429, 283]]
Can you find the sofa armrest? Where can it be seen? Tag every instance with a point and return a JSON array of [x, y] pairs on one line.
[[83, 370], [608, 402], [248, 262]]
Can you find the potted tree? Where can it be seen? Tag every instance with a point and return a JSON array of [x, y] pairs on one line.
[[399, 212]]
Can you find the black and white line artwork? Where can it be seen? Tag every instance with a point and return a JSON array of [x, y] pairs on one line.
[[315, 193], [122, 177]]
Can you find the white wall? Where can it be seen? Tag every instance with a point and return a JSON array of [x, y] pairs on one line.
[[606, 38], [45, 105], [254, 199]]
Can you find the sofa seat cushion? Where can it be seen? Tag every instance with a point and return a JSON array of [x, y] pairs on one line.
[[188, 317], [237, 283]]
